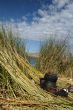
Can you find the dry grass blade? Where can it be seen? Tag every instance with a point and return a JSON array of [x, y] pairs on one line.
[[15, 79]]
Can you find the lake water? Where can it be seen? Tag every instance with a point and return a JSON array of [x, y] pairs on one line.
[[32, 61]]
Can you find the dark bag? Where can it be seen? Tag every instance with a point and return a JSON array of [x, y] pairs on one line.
[[50, 84], [51, 77], [62, 92], [42, 83]]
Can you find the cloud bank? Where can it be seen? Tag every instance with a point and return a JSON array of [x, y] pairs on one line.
[[55, 20]]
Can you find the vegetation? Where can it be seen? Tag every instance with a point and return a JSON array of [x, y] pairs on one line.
[[55, 57], [17, 89]]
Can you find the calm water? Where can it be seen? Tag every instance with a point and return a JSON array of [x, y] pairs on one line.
[[32, 61]]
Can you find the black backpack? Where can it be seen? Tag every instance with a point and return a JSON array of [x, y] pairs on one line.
[[51, 77]]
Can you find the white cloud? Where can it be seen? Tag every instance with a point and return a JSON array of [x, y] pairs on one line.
[[56, 23], [61, 3]]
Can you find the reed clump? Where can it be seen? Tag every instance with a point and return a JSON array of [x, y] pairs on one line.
[[55, 57], [15, 69], [17, 89]]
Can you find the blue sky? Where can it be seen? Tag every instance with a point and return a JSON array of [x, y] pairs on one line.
[[19, 9], [32, 46], [16, 9], [37, 20]]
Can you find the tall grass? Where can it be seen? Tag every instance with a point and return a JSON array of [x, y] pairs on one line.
[[9, 45], [16, 76], [55, 57], [15, 71], [11, 42]]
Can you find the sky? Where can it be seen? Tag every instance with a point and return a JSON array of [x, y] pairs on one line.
[[18, 9], [37, 20]]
